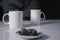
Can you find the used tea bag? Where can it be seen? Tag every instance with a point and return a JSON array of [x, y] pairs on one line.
[[32, 32], [24, 31]]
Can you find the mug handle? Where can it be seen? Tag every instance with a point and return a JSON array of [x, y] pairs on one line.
[[44, 16], [4, 34], [4, 17]]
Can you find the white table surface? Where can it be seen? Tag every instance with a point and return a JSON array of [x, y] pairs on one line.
[[51, 28]]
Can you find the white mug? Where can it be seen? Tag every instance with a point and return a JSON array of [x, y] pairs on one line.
[[15, 22], [15, 19], [36, 16]]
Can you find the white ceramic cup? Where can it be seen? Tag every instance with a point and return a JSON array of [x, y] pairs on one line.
[[36, 16], [15, 19], [15, 22]]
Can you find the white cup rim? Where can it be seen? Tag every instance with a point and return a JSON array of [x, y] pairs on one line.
[[35, 10], [15, 11]]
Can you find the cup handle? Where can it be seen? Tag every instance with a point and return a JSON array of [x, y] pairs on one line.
[[44, 16], [3, 18], [4, 34]]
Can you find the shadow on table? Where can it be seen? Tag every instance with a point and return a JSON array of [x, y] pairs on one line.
[[42, 23]]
